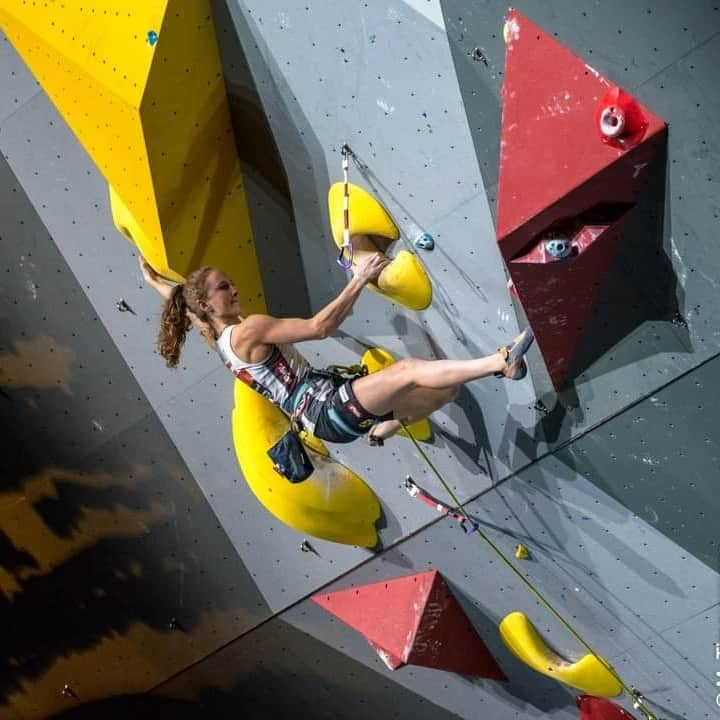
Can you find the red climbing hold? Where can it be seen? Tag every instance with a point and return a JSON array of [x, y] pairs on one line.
[[620, 120], [565, 187], [596, 708], [414, 620]]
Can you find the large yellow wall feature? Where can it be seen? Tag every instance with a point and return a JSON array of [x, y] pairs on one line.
[[154, 117], [332, 504]]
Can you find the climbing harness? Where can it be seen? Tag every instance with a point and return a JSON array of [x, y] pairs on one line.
[[345, 257], [636, 698], [340, 374]]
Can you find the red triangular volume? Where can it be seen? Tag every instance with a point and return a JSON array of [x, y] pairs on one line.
[[575, 152], [595, 708], [414, 620]]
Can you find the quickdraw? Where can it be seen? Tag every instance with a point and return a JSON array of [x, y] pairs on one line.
[[414, 490], [345, 258]]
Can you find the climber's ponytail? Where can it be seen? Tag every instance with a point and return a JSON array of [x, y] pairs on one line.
[[174, 324]]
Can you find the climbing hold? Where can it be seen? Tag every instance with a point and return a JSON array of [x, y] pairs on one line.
[[555, 176], [596, 708], [122, 306], [333, 503], [414, 620], [404, 280], [376, 359], [479, 56], [174, 624], [620, 120], [67, 691], [305, 546], [558, 247], [424, 241], [152, 37], [521, 552], [588, 674], [612, 121]]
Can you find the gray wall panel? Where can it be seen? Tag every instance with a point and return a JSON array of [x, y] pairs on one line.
[[58, 362], [695, 642], [118, 544], [104, 535], [661, 460], [609, 544], [17, 84], [281, 672], [616, 579]]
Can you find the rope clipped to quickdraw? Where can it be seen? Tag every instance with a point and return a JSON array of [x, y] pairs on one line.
[[634, 695], [345, 257]]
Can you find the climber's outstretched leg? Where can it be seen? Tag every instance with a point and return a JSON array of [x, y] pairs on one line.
[[389, 390], [419, 403]]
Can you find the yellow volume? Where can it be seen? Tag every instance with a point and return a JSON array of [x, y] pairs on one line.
[[141, 87]]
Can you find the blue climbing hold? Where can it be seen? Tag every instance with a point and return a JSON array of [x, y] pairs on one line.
[[559, 248], [152, 37], [424, 241]]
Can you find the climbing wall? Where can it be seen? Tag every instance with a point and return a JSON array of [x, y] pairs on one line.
[[105, 537], [127, 467]]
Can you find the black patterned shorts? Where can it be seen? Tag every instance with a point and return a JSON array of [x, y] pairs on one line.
[[333, 413]]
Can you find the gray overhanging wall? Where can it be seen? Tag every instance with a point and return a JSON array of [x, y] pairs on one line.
[[618, 520]]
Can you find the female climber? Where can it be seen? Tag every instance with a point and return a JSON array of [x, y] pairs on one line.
[[258, 350]]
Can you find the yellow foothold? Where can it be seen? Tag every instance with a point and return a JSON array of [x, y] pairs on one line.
[[404, 280], [588, 674], [376, 359], [332, 504], [521, 552]]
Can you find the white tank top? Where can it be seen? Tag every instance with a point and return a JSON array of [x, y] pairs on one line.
[[276, 377]]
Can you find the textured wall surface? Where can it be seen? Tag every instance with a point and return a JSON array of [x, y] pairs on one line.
[[122, 505]]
